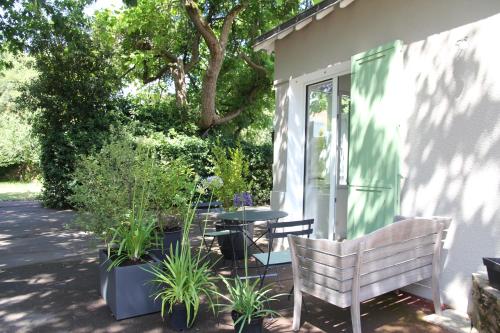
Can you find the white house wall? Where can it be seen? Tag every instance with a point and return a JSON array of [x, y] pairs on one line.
[[450, 129]]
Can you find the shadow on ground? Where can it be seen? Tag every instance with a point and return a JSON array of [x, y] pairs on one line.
[[61, 294]]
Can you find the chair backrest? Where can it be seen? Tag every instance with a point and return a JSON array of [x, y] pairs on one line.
[[386, 259], [296, 228]]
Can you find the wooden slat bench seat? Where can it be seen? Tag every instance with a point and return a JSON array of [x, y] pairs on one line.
[[352, 271]]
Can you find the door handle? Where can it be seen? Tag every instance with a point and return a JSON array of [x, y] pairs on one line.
[[368, 190]]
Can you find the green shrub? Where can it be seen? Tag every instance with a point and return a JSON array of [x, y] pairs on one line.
[[103, 186], [194, 150], [173, 183], [18, 148], [105, 182], [231, 167], [260, 173], [199, 153]]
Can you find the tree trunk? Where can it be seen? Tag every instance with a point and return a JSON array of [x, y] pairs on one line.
[[209, 91], [179, 76]]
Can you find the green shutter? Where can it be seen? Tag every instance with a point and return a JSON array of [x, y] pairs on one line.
[[373, 173]]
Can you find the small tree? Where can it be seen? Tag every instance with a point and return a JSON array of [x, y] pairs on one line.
[[232, 168]]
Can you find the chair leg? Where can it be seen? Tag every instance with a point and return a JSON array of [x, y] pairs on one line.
[[356, 317], [297, 308], [263, 277]]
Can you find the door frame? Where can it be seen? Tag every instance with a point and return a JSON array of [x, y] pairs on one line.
[[295, 166]]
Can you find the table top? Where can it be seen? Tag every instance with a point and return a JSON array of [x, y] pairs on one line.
[[252, 215]]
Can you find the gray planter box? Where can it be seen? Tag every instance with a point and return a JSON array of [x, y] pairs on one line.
[[127, 290]]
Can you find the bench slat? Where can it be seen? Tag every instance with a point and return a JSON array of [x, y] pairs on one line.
[[332, 282], [400, 251], [343, 300]]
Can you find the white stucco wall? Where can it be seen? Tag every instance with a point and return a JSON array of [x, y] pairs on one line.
[[450, 130]]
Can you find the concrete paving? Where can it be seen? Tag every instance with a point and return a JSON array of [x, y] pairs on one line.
[[30, 234], [49, 283]]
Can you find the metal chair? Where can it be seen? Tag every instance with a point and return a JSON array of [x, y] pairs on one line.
[[275, 258]]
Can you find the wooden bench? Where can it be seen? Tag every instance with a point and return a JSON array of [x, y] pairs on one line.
[[352, 271]]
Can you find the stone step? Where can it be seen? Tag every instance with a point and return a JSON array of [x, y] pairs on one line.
[[452, 320]]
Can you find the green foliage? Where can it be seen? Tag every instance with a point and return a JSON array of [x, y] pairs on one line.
[[19, 150], [172, 185], [132, 238], [260, 175], [248, 300], [189, 148], [232, 168], [103, 186], [73, 101], [184, 277], [197, 152], [105, 183]]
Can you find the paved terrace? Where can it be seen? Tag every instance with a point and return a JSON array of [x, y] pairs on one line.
[[49, 283]]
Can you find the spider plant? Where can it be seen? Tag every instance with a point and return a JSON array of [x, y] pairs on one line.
[[247, 301], [184, 277], [132, 238]]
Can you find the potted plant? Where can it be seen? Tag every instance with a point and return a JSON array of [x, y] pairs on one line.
[[248, 304], [125, 265], [171, 194], [182, 279], [493, 268]]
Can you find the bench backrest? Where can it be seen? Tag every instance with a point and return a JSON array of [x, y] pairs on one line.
[[392, 257]]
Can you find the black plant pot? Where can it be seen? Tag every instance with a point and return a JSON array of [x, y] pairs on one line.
[[255, 326], [177, 319], [171, 239], [127, 290], [493, 268], [231, 246]]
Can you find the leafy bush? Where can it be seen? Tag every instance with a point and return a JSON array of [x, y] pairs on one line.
[[18, 148], [103, 186], [260, 173], [232, 168], [173, 183], [105, 183], [194, 150], [199, 153], [73, 102]]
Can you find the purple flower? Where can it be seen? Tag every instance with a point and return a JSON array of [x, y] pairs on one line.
[[247, 199], [242, 199]]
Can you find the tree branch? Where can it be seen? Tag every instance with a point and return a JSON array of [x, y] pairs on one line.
[[228, 23], [202, 26], [235, 113], [147, 79], [259, 68]]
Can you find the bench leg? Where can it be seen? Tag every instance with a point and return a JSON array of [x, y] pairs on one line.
[[297, 309], [356, 317], [436, 297]]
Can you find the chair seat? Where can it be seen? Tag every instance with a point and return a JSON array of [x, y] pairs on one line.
[[276, 258], [218, 233]]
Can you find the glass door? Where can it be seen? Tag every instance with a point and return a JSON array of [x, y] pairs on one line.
[[320, 162]]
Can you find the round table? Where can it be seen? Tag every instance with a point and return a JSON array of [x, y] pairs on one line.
[[252, 215], [232, 247]]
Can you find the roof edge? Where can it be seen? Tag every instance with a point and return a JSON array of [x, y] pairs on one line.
[[266, 41]]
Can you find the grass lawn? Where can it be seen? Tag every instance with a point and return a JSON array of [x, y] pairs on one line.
[[19, 191]]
